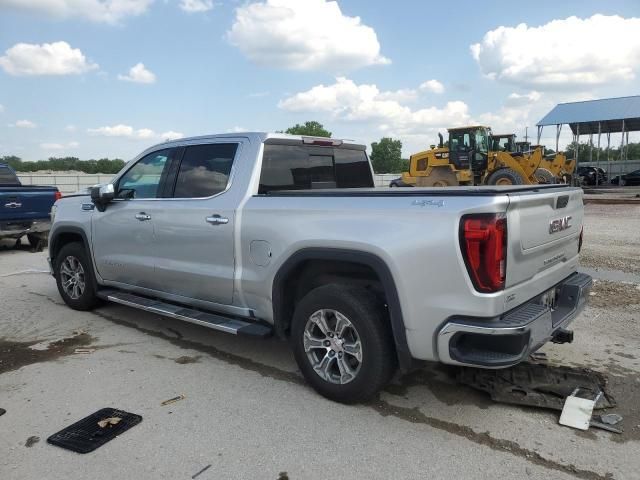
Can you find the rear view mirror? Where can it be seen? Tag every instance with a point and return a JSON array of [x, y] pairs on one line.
[[101, 195]]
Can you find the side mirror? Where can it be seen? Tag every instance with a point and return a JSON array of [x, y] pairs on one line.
[[101, 195]]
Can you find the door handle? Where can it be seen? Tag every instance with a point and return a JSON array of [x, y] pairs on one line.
[[143, 217], [217, 220]]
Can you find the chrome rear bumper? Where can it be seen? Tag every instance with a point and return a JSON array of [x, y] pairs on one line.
[[509, 339]]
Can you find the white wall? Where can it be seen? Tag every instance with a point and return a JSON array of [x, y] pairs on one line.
[[71, 183], [66, 183]]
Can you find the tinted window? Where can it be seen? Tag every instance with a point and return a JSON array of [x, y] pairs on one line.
[[292, 167], [143, 179], [7, 177], [352, 169], [205, 170]]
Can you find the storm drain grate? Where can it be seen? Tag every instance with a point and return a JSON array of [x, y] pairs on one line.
[[93, 431]]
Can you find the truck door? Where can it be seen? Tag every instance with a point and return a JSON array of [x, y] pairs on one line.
[[123, 235], [194, 231]]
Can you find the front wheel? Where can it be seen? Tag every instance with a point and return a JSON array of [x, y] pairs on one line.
[[74, 277], [505, 176], [343, 343]]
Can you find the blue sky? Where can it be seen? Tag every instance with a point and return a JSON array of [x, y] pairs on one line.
[[404, 69]]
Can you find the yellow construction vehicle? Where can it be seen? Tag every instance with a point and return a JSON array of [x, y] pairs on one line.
[[554, 168], [468, 160], [547, 170]]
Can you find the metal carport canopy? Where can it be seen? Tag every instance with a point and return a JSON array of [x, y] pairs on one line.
[[608, 115]]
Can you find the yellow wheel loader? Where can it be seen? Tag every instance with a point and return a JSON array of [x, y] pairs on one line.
[[468, 160], [554, 168]]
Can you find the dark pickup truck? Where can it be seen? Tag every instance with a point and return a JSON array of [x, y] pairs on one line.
[[24, 209]]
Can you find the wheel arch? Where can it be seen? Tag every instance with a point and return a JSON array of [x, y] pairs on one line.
[[283, 299], [65, 235]]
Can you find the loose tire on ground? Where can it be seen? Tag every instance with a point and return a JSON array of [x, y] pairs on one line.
[[545, 176], [439, 177], [74, 277], [369, 367], [505, 176]]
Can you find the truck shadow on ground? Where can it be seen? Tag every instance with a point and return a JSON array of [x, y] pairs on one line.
[[11, 245]]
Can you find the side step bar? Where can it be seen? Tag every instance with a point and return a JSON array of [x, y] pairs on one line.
[[215, 321]]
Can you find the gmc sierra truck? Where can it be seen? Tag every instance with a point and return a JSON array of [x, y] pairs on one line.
[[261, 233], [24, 209]]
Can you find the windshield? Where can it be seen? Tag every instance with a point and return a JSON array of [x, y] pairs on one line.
[[7, 177], [482, 140], [502, 144]]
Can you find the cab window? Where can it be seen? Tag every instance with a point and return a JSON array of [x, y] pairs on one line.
[[144, 178], [205, 170]]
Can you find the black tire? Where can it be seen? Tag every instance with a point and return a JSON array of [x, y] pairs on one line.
[[368, 317], [505, 176], [545, 176], [87, 300], [35, 239]]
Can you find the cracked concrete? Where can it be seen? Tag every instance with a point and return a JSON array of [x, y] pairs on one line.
[[248, 413]]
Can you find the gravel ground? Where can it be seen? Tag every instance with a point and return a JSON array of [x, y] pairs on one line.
[[612, 238], [248, 413]]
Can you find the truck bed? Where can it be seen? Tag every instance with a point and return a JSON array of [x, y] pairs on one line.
[[481, 191]]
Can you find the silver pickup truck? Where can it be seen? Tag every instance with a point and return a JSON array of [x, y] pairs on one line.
[[261, 233]]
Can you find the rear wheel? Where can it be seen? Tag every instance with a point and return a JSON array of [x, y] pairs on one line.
[[342, 342], [505, 176], [439, 177], [545, 176], [74, 277]]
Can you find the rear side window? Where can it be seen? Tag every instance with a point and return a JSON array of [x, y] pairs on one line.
[[297, 167], [7, 177], [204, 170]]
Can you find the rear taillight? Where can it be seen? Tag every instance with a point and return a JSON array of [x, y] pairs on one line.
[[483, 241], [580, 240], [57, 195]]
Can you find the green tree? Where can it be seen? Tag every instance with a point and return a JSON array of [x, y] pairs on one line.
[[386, 156], [11, 160], [312, 129], [61, 164]]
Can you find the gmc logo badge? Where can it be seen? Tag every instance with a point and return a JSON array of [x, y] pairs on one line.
[[559, 224]]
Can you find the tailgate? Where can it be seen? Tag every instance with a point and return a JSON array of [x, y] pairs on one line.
[[543, 231], [27, 204]]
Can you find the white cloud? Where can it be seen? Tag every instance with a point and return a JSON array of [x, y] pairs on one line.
[[144, 133], [139, 74], [70, 128], [56, 58], [304, 35], [1, 108], [346, 100], [236, 129], [59, 146], [196, 6], [402, 95], [119, 130], [23, 124], [433, 86], [127, 131], [171, 135], [567, 53], [517, 99], [107, 11]]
